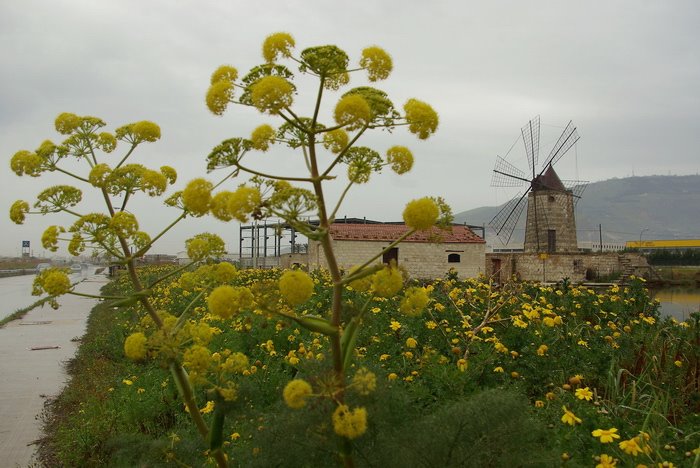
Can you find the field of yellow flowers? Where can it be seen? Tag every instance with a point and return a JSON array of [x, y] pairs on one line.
[[519, 375]]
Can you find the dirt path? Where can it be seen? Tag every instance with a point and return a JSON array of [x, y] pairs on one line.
[[29, 376]]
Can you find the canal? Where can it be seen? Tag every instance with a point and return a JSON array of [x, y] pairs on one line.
[[678, 301]]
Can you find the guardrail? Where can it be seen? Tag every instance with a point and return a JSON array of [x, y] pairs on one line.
[[24, 271]]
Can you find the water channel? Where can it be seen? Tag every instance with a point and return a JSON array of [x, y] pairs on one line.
[[678, 301]]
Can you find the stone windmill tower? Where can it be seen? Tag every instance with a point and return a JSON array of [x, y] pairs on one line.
[[551, 224]]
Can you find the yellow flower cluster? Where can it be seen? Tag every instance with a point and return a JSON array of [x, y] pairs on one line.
[[414, 301], [421, 214], [219, 95], [387, 282], [135, 346], [336, 140], [400, 158], [296, 393], [204, 246], [364, 381], [422, 119], [53, 281], [353, 111], [197, 196], [262, 136], [226, 301], [377, 63], [25, 162], [18, 211], [296, 286], [271, 94], [49, 239], [349, 424], [276, 45]]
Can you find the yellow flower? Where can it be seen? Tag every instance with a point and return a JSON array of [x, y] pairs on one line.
[[631, 447], [54, 282], [421, 214], [352, 111], [462, 365], [349, 424], [243, 202], [377, 63], [542, 350], [277, 44], [364, 381], [205, 245], [127, 382], [219, 95], [394, 325], [262, 136], [539, 404], [606, 435], [422, 119], [606, 461], [414, 301], [271, 94], [387, 282], [384, 357], [584, 394], [400, 158], [66, 123], [224, 73], [296, 286], [678, 363], [135, 346], [498, 369], [219, 205], [296, 392], [550, 396], [145, 131], [208, 408], [576, 379], [411, 342], [226, 301], [49, 239], [25, 162], [336, 140], [235, 436], [392, 376], [197, 196], [18, 210], [569, 417]]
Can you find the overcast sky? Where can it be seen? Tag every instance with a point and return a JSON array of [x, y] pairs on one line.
[[626, 72]]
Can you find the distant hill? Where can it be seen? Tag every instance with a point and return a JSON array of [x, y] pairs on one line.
[[657, 207]]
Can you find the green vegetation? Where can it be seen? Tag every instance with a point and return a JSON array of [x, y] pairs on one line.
[[444, 393]]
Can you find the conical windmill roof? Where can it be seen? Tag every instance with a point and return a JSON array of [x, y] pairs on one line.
[[549, 180]]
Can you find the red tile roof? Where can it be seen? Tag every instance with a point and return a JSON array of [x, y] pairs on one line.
[[391, 232]]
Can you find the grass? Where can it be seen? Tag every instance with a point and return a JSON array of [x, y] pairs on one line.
[[20, 313]]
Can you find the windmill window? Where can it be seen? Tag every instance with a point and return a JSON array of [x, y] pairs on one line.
[[551, 198], [454, 258]]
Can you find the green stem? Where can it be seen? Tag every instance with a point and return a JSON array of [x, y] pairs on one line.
[[131, 150], [340, 201], [171, 274], [70, 174], [145, 248], [342, 153], [270, 176], [185, 314], [353, 277], [93, 296]]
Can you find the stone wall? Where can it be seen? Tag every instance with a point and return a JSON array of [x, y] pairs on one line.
[[550, 210], [420, 259], [577, 267]]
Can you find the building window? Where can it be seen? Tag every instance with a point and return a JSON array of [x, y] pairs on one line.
[[453, 258], [551, 241], [391, 256]]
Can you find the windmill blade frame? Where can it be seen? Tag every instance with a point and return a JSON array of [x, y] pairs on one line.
[[508, 216], [507, 175], [531, 139], [567, 139]]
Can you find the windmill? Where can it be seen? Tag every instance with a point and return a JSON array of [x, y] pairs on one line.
[[550, 225]]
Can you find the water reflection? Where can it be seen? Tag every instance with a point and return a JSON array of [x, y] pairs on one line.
[[677, 301]]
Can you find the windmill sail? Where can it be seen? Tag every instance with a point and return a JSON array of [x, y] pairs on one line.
[[507, 175], [505, 220], [568, 138], [531, 138]]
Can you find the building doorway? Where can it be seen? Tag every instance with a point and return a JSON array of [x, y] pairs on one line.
[[391, 255]]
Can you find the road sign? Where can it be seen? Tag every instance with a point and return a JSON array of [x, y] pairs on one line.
[[25, 244]]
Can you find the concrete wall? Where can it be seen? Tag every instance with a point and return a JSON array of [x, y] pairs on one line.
[[555, 267], [420, 259]]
